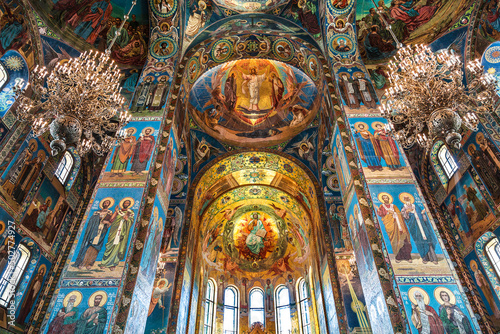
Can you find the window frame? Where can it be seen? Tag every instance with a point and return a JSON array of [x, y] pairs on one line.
[[63, 171], [278, 307], [208, 324], [231, 308], [447, 161], [251, 307], [303, 301], [493, 256], [15, 271], [5, 78]]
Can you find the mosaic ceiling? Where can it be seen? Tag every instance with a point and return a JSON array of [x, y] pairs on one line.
[[262, 100]]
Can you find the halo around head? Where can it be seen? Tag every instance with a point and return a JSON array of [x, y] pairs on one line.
[[110, 199], [41, 154], [44, 267], [162, 280], [2, 227], [471, 146], [358, 74], [437, 295], [453, 198], [132, 201], [78, 299], [374, 124], [473, 265], [146, 128], [415, 289], [403, 195], [387, 194], [156, 213], [479, 137], [33, 142], [130, 130], [95, 294], [357, 124]]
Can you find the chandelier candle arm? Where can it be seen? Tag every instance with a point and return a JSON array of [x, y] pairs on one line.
[[428, 100]]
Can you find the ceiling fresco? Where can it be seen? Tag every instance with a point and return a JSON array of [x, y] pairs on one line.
[[255, 231], [286, 172], [262, 100], [259, 6], [93, 24]]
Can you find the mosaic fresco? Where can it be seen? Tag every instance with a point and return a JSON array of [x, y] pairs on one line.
[[410, 21], [262, 100], [93, 24], [468, 209], [18, 74]]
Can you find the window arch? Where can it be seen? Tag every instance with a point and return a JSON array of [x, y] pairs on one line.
[[492, 249], [231, 310], [283, 310], [303, 299], [443, 162], [4, 76], [256, 299], [208, 325], [447, 161], [12, 274], [64, 167], [488, 253]]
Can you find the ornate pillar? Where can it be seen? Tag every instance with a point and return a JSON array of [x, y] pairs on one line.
[[110, 272]]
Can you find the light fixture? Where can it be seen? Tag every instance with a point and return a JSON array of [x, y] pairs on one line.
[[79, 102], [428, 99]]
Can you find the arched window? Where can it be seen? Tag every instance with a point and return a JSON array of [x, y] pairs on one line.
[[11, 276], [64, 167], [231, 310], [493, 252], [4, 77], [256, 298], [303, 298], [208, 325], [447, 161], [283, 312]]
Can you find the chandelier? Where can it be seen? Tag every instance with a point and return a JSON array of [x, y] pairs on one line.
[[428, 100], [79, 102]]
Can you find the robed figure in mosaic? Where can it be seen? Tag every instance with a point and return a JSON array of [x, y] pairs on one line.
[[454, 320], [420, 228], [395, 227], [67, 317], [423, 316], [93, 319], [116, 246], [94, 236]]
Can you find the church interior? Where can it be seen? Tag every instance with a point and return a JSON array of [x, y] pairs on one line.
[[249, 167]]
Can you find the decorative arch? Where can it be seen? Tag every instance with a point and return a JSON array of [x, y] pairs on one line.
[[437, 164], [481, 254]]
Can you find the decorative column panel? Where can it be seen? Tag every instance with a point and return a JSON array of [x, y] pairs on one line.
[[349, 280], [386, 213], [100, 276]]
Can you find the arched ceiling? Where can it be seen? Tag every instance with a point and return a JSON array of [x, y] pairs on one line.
[[255, 212], [253, 102]]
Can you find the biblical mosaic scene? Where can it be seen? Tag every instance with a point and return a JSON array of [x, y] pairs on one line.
[[249, 167]]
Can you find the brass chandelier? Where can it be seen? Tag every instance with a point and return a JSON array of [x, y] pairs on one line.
[[79, 102], [428, 99]]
